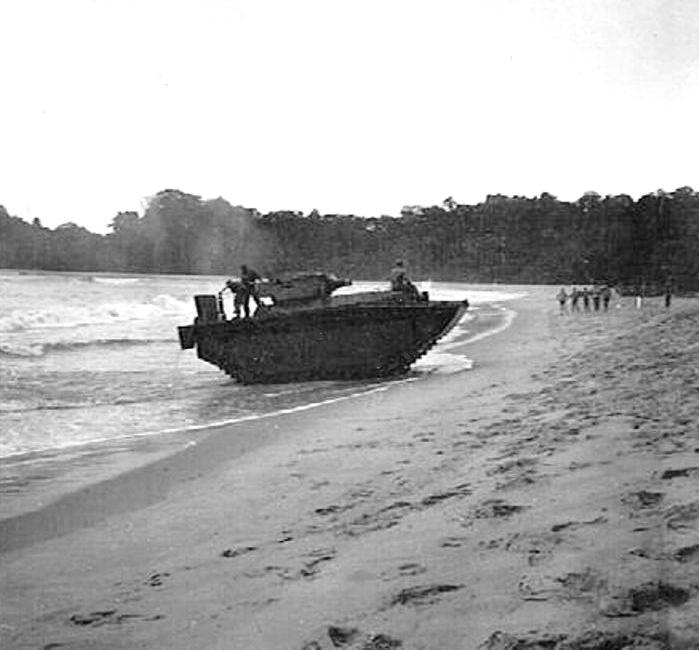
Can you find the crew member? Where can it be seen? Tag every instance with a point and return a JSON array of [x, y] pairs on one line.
[[399, 277], [400, 280], [239, 295], [248, 278]]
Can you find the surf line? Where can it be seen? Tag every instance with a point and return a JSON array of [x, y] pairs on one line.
[[287, 411], [509, 316], [210, 425], [439, 349]]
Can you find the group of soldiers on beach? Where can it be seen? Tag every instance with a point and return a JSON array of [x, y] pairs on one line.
[[598, 296], [594, 298]]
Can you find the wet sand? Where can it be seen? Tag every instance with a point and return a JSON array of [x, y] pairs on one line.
[[545, 499]]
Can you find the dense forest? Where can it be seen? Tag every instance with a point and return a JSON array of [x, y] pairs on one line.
[[503, 239]]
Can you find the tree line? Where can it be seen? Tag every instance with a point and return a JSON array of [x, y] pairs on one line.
[[505, 239]]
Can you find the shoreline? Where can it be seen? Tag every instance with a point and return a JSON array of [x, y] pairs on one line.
[[162, 428], [87, 482], [533, 499]]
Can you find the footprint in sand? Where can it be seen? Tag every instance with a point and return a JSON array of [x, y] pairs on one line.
[[392, 514], [333, 509], [571, 586], [684, 472], [381, 642], [280, 571], [408, 569], [489, 509], [235, 552], [497, 508], [643, 499], [682, 515], [312, 450], [597, 639], [456, 542], [687, 553], [422, 594], [537, 547], [458, 491], [523, 480], [156, 580], [109, 617], [361, 493], [572, 525], [647, 597], [515, 464], [341, 637], [317, 557], [411, 569], [499, 640], [382, 519]]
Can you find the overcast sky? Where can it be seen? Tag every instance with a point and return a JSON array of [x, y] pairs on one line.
[[344, 106]]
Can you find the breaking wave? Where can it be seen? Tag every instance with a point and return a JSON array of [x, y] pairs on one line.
[[475, 297], [102, 314], [115, 281], [32, 350]]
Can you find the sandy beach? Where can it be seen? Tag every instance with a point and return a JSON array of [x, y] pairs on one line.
[[546, 499]]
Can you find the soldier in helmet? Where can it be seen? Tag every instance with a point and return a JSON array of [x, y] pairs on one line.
[[240, 295], [249, 278], [399, 276], [400, 280]]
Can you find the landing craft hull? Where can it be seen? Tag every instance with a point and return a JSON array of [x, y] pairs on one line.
[[342, 342]]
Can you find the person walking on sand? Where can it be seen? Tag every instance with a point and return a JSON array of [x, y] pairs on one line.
[[596, 295], [574, 297], [606, 296], [640, 294], [562, 298], [616, 296], [586, 298], [668, 295]]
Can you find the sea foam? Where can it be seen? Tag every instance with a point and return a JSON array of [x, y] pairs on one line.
[[100, 314]]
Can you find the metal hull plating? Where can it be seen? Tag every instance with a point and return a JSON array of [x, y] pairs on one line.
[[343, 342]]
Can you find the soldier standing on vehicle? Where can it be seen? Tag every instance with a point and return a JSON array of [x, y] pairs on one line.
[[249, 278], [240, 295], [401, 282]]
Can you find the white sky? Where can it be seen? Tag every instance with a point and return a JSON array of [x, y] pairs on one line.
[[358, 106]]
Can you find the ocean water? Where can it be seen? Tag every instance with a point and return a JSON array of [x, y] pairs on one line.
[[89, 361]]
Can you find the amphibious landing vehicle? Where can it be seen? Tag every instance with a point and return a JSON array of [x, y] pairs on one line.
[[303, 332]]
